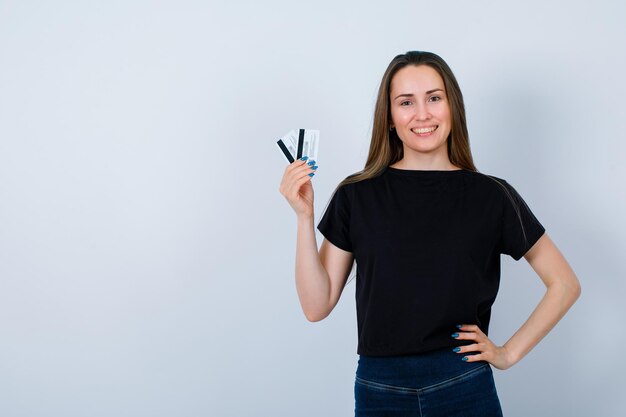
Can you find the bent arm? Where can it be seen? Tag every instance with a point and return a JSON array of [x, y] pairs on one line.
[[563, 289], [320, 276]]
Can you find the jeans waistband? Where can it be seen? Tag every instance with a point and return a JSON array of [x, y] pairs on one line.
[[416, 370]]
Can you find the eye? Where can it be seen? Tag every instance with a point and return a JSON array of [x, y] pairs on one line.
[[405, 101], [435, 98]]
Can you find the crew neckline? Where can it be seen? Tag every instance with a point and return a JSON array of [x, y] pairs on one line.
[[427, 172]]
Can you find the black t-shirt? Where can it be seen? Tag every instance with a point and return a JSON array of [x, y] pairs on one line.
[[427, 246]]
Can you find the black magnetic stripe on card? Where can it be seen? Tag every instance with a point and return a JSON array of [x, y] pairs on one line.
[[300, 143], [283, 148]]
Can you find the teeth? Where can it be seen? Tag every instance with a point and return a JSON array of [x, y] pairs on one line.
[[424, 129]]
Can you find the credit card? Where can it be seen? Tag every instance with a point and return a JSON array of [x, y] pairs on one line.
[[311, 143], [287, 148], [298, 143]]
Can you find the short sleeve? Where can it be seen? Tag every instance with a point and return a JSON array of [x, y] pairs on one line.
[[335, 222], [520, 227]]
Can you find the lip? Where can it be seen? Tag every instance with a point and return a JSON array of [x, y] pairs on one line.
[[422, 135]]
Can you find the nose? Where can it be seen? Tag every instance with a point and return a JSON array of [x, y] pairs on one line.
[[421, 112]]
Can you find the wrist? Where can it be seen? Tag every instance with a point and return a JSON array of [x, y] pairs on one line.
[[511, 356], [305, 219]]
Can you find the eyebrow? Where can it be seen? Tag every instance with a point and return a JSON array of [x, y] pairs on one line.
[[411, 95]]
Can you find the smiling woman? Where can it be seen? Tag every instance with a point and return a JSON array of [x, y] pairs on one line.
[[426, 231]]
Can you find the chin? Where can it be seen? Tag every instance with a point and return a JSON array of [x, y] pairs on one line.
[[426, 147]]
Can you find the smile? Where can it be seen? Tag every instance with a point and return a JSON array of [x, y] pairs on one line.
[[424, 130]]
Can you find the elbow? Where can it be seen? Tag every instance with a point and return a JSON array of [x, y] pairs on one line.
[[574, 289], [314, 316], [575, 294], [569, 289], [577, 290]]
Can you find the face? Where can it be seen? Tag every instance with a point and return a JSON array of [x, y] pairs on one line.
[[420, 111]]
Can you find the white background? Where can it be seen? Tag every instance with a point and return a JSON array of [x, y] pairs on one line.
[[147, 256]]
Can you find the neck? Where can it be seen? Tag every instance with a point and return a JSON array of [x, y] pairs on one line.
[[433, 166]]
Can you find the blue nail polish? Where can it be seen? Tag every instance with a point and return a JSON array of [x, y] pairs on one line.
[[314, 167], [304, 158], [311, 162], [456, 349], [458, 326], [464, 358], [455, 335], [311, 174]]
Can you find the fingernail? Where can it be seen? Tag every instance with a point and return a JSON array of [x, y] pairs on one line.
[[456, 349], [304, 158], [311, 174], [455, 335], [311, 162], [464, 358], [314, 167], [458, 326]]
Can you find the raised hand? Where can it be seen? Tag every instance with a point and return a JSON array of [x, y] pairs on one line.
[[296, 186]]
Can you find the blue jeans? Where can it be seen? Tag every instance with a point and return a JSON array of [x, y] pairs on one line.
[[429, 384]]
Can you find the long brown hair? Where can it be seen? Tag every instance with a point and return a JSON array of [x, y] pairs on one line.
[[385, 145]]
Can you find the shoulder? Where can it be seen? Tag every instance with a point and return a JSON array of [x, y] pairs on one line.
[[353, 183], [484, 178], [489, 183], [496, 188], [508, 196]]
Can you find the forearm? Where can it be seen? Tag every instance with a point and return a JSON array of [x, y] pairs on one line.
[[552, 307], [312, 282]]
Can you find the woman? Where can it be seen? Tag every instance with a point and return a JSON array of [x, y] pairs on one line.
[[426, 230]]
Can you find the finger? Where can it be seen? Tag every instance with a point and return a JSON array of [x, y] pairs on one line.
[[308, 168], [296, 174], [292, 168], [294, 179], [473, 358], [470, 328], [295, 164], [294, 188], [303, 179], [309, 162], [467, 348], [305, 172], [304, 168], [288, 182], [465, 336]]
